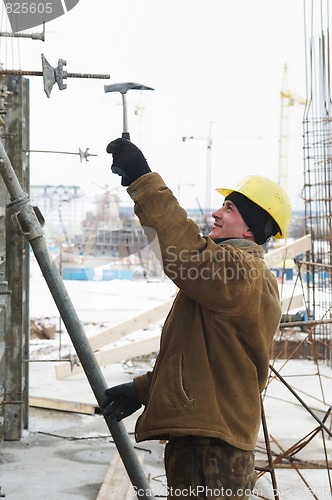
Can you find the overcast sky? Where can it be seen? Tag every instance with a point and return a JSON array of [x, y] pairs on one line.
[[217, 62]]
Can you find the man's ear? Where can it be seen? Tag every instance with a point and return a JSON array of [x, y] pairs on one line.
[[249, 234]]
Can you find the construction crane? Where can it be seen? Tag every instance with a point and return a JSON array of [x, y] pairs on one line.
[[288, 99]]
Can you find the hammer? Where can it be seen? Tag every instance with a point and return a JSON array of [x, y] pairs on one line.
[[123, 89]]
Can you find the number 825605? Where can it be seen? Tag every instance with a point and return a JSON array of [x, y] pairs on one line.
[[29, 8]]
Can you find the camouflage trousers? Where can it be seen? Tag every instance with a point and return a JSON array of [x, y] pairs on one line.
[[208, 469]]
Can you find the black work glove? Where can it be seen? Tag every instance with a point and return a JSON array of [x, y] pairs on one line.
[[128, 161], [121, 401]]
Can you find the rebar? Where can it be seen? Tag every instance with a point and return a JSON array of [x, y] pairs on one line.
[[20, 72], [33, 36], [322, 425]]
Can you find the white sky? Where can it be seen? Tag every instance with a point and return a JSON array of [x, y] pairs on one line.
[[217, 61]]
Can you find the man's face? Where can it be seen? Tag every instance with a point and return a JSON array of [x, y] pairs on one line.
[[228, 223]]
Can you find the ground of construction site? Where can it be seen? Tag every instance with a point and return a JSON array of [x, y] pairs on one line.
[[67, 450]]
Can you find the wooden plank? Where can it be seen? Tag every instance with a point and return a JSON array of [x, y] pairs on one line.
[[61, 405], [295, 302], [138, 323], [288, 251], [116, 483], [139, 348], [113, 355]]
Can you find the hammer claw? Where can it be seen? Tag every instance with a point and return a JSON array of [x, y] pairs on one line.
[[125, 86]]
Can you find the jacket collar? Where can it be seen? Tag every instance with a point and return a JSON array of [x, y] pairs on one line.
[[247, 245]]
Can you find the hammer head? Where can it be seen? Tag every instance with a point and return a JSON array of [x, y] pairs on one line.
[[125, 86]]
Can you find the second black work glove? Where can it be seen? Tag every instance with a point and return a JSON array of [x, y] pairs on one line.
[[120, 401], [128, 161]]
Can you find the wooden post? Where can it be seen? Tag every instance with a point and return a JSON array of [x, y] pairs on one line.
[[17, 266]]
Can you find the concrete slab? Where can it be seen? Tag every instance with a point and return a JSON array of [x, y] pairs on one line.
[[66, 456]]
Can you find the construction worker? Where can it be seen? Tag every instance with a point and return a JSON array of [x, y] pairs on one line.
[[203, 394]]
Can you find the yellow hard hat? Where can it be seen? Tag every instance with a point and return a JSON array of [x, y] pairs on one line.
[[268, 195]]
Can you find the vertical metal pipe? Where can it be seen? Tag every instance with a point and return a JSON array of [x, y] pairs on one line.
[[24, 216]]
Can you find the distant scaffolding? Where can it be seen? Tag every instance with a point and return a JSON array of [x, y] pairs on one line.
[[317, 192]]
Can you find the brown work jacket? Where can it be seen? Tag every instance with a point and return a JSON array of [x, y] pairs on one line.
[[214, 349]]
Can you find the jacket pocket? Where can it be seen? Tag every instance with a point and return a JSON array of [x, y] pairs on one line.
[[181, 385]]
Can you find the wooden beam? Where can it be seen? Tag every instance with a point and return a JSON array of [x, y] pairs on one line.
[[121, 353], [294, 302], [61, 405], [116, 483], [288, 251], [139, 322], [113, 355]]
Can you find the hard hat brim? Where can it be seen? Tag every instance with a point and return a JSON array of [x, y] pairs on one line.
[[225, 191], [244, 188]]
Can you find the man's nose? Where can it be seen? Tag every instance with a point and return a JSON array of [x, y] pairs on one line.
[[217, 213]]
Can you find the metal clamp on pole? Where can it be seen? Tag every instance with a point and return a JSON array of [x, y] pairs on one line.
[[27, 219]]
